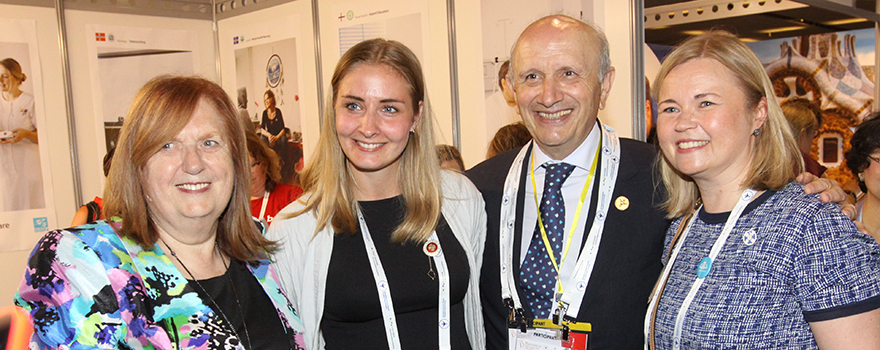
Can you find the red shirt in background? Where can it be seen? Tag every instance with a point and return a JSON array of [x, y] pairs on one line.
[[278, 199]]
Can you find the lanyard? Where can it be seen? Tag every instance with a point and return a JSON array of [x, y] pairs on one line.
[[610, 160], [703, 268], [577, 214], [265, 201], [384, 290], [570, 303]]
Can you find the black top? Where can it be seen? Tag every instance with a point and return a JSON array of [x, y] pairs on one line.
[[263, 325], [352, 313], [273, 126]]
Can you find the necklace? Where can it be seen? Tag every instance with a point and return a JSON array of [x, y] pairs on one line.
[[234, 293]]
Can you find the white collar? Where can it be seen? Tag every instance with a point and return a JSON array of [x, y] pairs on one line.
[[582, 157]]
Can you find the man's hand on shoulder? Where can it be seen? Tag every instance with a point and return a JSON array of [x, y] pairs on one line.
[[829, 191]]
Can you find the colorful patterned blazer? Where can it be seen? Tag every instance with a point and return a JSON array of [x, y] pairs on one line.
[[86, 287]]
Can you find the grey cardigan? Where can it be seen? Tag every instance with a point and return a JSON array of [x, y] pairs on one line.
[[304, 257]]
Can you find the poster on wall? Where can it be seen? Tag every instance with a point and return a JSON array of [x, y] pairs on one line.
[[25, 184], [833, 72], [267, 87], [403, 21], [123, 59]]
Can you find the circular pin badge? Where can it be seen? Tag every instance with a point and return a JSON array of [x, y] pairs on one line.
[[622, 203], [750, 237], [431, 248], [704, 267]]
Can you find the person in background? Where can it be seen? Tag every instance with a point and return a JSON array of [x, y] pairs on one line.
[[863, 159], [384, 248], [752, 261], [503, 74], [651, 127], [180, 263], [268, 194], [450, 158], [510, 136], [500, 106], [91, 211], [272, 129], [241, 98], [804, 119], [21, 177]]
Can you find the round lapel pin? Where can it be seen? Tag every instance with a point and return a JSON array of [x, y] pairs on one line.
[[431, 248], [621, 203]]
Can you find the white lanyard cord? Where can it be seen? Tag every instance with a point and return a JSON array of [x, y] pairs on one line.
[[508, 225], [386, 302], [744, 201], [571, 300], [578, 282], [265, 202]]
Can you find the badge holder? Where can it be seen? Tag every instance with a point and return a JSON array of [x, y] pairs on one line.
[[542, 334]]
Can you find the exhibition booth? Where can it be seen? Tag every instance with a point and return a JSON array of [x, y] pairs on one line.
[[86, 59]]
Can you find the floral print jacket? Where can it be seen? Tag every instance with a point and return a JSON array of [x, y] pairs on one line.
[[86, 287]]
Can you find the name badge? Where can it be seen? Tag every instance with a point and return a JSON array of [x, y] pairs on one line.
[[544, 335]]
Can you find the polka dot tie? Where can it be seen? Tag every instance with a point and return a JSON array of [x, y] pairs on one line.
[[537, 275]]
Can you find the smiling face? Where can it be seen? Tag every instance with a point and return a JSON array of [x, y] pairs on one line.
[[7, 81], [705, 123], [191, 176], [269, 101], [556, 84], [374, 114]]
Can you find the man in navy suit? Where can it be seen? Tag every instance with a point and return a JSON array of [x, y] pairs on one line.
[[561, 75]]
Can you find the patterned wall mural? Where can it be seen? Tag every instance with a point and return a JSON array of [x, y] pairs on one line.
[[825, 70]]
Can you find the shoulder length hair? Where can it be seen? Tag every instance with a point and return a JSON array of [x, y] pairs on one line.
[[263, 154], [327, 178], [777, 159], [160, 110]]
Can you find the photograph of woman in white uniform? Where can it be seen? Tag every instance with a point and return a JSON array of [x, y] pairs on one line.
[[21, 182]]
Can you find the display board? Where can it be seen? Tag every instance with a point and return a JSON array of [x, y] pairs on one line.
[[265, 53], [26, 200], [122, 59], [420, 25]]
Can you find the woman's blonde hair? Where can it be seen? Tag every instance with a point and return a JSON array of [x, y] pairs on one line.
[[327, 179], [777, 159], [802, 115], [160, 110]]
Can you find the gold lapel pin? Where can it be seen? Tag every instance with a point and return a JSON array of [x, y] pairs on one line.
[[622, 203]]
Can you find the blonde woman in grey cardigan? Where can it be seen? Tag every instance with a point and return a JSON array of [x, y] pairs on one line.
[[384, 249]]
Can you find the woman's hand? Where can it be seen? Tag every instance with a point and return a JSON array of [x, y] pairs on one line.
[[21, 134]]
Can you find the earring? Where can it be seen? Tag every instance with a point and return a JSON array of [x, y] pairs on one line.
[[862, 177], [756, 132], [412, 131]]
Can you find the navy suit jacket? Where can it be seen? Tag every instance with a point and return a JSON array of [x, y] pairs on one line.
[[628, 262]]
